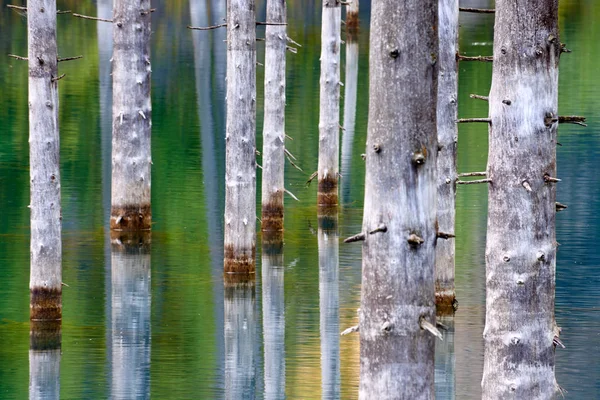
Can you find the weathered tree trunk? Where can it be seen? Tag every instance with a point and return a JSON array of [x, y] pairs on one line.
[[45, 283], [44, 359], [274, 126], [350, 89], [521, 243], [398, 294], [447, 114], [273, 320], [329, 305], [240, 338], [240, 159], [130, 305], [329, 110], [132, 117]]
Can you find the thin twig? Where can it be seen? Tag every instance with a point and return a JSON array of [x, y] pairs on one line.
[[16, 7], [473, 182], [468, 120], [69, 58], [424, 324], [313, 176], [206, 28], [350, 330], [291, 194], [460, 57], [18, 57], [289, 154], [477, 10], [572, 119], [472, 174], [58, 78], [478, 97], [92, 18], [355, 238]]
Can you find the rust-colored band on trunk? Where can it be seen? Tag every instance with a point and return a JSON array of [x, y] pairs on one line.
[[272, 242], [238, 280], [131, 218], [352, 25], [272, 215], [240, 263], [45, 335], [445, 301], [327, 194], [45, 304]]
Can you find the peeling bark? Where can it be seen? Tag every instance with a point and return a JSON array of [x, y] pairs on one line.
[[132, 117], [240, 158], [44, 159], [397, 355], [447, 114], [274, 126], [329, 110], [521, 240]]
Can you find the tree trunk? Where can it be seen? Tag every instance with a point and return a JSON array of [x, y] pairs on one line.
[[397, 355], [45, 283], [274, 320], [329, 115], [44, 364], [521, 243], [274, 126], [130, 305], [240, 159], [447, 114], [329, 305], [350, 89], [132, 117]]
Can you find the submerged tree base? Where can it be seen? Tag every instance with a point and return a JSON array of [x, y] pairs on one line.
[[272, 214], [240, 262], [327, 194], [45, 335], [131, 218], [45, 304]]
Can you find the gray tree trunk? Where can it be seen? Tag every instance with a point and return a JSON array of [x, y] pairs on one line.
[[350, 90], [274, 126], [44, 158], [240, 338], [274, 320], [240, 158], [132, 116], [329, 110], [130, 305], [447, 114], [329, 305], [521, 241], [397, 355]]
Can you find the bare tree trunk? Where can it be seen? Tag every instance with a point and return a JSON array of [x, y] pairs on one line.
[[44, 360], [45, 283], [240, 159], [130, 305], [329, 305], [132, 117], [350, 89], [240, 338], [274, 126], [329, 111], [447, 114], [521, 240], [398, 294], [274, 320]]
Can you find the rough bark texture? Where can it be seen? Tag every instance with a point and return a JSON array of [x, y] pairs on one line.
[[273, 320], [397, 356], [274, 126], [521, 243], [240, 338], [132, 116], [329, 306], [329, 111], [44, 171], [352, 21], [44, 372], [130, 305], [240, 159], [350, 90], [447, 114]]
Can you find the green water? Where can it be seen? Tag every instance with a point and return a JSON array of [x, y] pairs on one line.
[[177, 343]]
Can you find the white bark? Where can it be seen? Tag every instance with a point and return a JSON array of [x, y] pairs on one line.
[[44, 372], [521, 240], [329, 305], [274, 126], [329, 105], [397, 355], [44, 158], [132, 116], [447, 114], [240, 159], [274, 321], [130, 305], [350, 90]]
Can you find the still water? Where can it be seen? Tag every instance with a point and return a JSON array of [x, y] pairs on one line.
[[157, 320]]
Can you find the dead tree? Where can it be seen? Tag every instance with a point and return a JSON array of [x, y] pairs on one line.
[[240, 153], [350, 90], [132, 117], [447, 130], [45, 283], [397, 318], [329, 304], [521, 241], [274, 124], [273, 273], [329, 110], [130, 314]]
